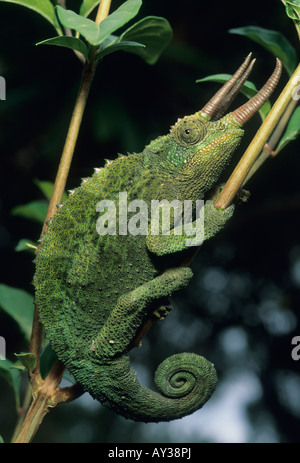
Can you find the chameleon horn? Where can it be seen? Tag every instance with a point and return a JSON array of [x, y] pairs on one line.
[[212, 106], [247, 110], [226, 102]]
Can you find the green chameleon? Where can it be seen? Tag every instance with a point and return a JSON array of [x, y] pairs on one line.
[[96, 292]]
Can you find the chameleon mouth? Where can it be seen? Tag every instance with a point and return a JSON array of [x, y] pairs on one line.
[[220, 102], [232, 141]]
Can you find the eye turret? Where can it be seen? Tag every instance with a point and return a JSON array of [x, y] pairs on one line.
[[189, 132]]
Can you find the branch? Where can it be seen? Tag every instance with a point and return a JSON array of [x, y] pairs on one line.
[[242, 169], [269, 149], [46, 393]]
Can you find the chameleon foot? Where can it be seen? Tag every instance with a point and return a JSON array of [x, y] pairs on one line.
[[162, 312]]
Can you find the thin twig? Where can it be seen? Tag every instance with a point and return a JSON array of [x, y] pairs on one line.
[[67, 155], [22, 412], [103, 11], [68, 33], [47, 393], [269, 148]]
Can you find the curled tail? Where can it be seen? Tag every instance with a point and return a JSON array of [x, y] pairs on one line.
[[184, 381]]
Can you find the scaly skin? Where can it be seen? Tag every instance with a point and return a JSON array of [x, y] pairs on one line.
[[94, 292]]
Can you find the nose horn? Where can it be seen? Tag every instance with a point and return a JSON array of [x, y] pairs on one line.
[[222, 99], [219, 103], [247, 110]]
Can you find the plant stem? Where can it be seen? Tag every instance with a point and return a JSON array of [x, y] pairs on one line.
[[47, 396], [44, 398], [103, 10], [46, 393], [269, 148], [22, 412], [242, 169], [36, 412], [58, 190], [67, 155]]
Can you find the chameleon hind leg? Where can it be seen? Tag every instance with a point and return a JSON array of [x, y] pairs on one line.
[[124, 321]]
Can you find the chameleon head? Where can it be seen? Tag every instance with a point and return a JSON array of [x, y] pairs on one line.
[[200, 146]]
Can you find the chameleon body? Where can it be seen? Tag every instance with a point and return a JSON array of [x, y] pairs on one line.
[[94, 292]]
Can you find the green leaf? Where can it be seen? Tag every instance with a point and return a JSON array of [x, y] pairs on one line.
[[293, 9], [272, 41], [87, 7], [12, 376], [46, 188], [27, 360], [122, 46], [119, 17], [68, 42], [1, 440], [86, 27], [48, 359], [292, 131], [26, 245], [248, 89], [96, 33], [43, 7], [35, 210], [153, 32], [19, 305]]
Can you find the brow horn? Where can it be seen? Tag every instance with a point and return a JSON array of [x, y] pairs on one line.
[[247, 110], [228, 99]]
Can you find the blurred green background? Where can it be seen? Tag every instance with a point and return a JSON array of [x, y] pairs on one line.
[[242, 309]]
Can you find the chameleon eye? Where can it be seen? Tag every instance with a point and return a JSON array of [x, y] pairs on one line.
[[189, 131]]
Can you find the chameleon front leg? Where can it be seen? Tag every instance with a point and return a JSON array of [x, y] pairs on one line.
[[121, 326], [214, 221]]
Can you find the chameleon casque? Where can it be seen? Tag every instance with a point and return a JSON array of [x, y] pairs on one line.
[[94, 293]]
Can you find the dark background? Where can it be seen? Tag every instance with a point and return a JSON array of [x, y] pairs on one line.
[[242, 309]]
